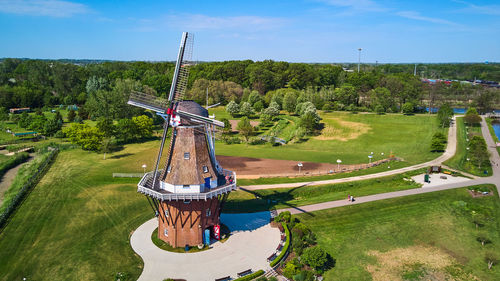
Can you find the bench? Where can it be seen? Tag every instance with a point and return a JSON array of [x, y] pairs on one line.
[[246, 272], [271, 257], [447, 172], [223, 278]]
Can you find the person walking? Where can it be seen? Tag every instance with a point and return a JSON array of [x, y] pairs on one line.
[[349, 197]]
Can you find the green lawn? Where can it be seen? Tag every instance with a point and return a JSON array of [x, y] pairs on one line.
[[266, 199], [459, 160], [76, 223], [407, 137], [438, 220]]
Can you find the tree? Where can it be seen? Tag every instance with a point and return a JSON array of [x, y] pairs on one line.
[[126, 130], [271, 111], [254, 97], [290, 102], [471, 117], [315, 257], [89, 138], [483, 239], [3, 114], [106, 126], [71, 115], [245, 128], [379, 109], [478, 151], [491, 259], [232, 108], [51, 126], [444, 115], [107, 146], [258, 106], [437, 142], [246, 109], [143, 126], [407, 108]]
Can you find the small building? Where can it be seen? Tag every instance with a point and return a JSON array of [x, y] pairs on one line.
[[19, 110]]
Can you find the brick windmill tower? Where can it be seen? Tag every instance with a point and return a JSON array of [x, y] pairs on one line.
[[188, 193]]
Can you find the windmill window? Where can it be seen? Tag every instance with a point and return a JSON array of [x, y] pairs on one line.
[[185, 186], [169, 169], [166, 213], [205, 169], [186, 155], [209, 212], [165, 232]]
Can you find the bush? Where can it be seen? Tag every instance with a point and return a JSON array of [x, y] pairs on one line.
[[251, 276], [315, 257], [283, 217], [256, 141], [407, 108], [285, 247]]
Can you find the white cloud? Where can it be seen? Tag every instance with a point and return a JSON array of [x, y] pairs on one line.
[[416, 16], [198, 21], [358, 5], [493, 10], [51, 8]]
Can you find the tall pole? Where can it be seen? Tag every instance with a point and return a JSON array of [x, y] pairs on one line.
[[359, 57], [415, 70]]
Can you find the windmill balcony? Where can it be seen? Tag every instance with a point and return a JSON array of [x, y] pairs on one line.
[[145, 187]]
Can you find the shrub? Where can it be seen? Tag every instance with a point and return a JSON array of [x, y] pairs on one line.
[[232, 108], [407, 108], [315, 257], [285, 247], [251, 276]]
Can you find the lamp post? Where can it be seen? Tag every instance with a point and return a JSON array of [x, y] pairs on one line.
[[359, 57], [370, 159], [300, 166], [338, 164], [144, 168]]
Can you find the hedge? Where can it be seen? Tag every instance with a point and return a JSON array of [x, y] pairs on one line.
[[250, 276], [12, 162], [27, 186], [285, 247]]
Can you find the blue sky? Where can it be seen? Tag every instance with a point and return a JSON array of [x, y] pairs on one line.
[[295, 31]]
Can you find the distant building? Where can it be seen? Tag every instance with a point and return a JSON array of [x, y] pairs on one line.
[[19, 110]]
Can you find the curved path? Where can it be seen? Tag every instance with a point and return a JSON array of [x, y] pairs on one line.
[[448, 153], [252, 241], [494, 179]]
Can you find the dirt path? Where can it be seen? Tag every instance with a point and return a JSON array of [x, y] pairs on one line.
[[253, 168], [8, 178]]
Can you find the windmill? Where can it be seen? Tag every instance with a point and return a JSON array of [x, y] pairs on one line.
[[188, 193]]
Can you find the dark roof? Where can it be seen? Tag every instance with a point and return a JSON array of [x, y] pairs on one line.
[[192, 107]]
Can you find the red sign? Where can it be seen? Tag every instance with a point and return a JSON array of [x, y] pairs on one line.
[[217, 232]]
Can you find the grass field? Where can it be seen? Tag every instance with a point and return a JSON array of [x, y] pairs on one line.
[[420, 237], [76, 223], [459, 160], [265, 199], [351, 138]]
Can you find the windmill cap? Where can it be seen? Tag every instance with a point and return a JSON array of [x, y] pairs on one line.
[[192, 107]]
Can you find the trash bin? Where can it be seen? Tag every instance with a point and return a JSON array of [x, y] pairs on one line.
[[426, 178]]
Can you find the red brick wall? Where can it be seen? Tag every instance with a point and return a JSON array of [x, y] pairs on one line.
[[186, 222]]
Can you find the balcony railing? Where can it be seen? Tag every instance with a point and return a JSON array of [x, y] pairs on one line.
[[145, 187]]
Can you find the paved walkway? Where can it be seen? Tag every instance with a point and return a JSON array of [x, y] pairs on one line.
[[448, 153], [495, 179], [252, 241]]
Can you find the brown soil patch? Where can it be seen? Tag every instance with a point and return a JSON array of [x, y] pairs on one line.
[[343, 130], [252, 168], [475, 194], [234, 124], [429, 262]]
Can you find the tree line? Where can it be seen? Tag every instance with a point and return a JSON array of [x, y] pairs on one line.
[[103, 88]]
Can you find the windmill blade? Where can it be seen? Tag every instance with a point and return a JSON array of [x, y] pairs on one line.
[[181, 73], [198, 118], [150, 102]]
